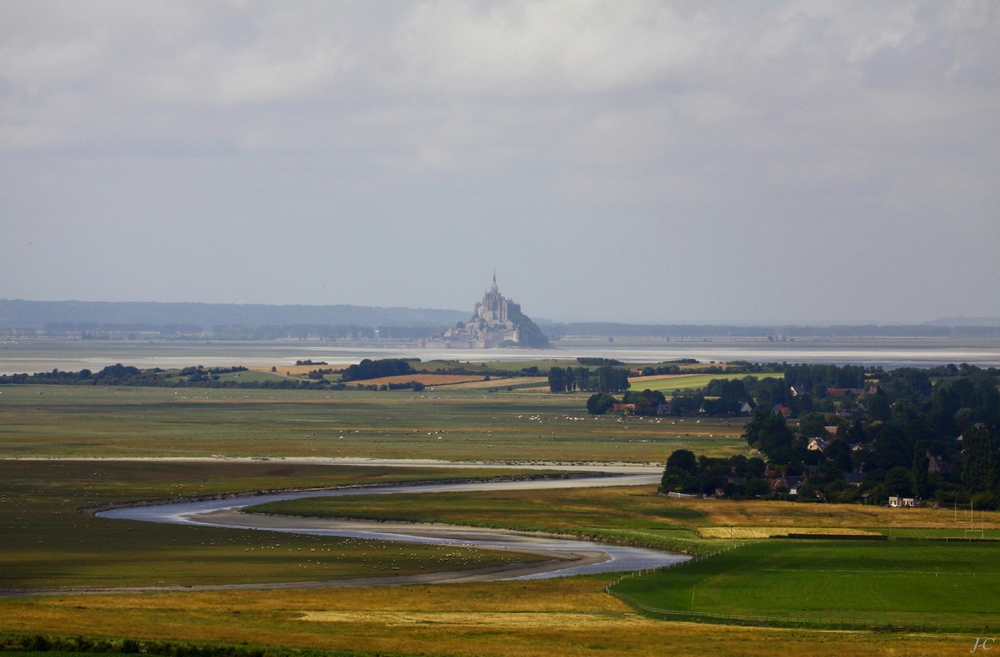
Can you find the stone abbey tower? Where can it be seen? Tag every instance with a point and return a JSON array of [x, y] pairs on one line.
[[494, 322]]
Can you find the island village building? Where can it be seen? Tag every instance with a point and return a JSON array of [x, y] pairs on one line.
[[492, 324]]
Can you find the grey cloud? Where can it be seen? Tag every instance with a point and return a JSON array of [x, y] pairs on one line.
[[673, 160]]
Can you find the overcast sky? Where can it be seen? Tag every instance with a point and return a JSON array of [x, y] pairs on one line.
[[619, 161]]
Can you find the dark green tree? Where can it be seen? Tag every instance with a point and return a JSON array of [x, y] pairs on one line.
[[977, 454], [898, 482], [612, 379], [839, 454], [756, 468], [878, 408], [921, 471], [756, 488], [691, 486], [557, 379], [683, 459], [376, 369], [600, 403], [570, 379], [768, 431]]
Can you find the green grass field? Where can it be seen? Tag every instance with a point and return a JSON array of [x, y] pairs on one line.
[[690, 382], [47, 540], [441, 424], [935, 585]]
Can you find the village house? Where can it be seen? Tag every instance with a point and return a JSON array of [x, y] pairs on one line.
[[791, 484], [817, 444], [855, 478]]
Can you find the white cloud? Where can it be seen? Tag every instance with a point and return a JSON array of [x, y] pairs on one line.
[[548, 47]]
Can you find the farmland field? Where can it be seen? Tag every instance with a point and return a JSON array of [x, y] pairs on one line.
[[455, 425], [295, 370], [934, 585], [46, 542]]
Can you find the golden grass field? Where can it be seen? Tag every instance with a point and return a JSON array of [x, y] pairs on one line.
[[770, 532], [785, 515], [570, 617]]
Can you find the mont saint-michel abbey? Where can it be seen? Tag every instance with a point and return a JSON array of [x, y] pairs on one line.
[[492, 324], [496, 322]]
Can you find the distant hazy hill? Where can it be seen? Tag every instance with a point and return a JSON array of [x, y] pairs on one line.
[[19, 313], [965, 321]]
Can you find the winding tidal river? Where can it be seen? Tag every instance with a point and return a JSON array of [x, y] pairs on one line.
[[565, 556]]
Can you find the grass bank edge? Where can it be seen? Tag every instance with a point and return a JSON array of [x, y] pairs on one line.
[[53, 644], [688, 546]]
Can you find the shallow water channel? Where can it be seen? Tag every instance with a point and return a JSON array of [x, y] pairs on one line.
[[603, 558]]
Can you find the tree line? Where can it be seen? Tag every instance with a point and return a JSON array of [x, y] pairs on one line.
[[376, 369], [128, 376], [606, 379]]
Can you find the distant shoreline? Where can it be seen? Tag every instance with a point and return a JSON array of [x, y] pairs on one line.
[[20, 355]]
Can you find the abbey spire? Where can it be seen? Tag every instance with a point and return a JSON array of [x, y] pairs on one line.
[[496, 322]]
